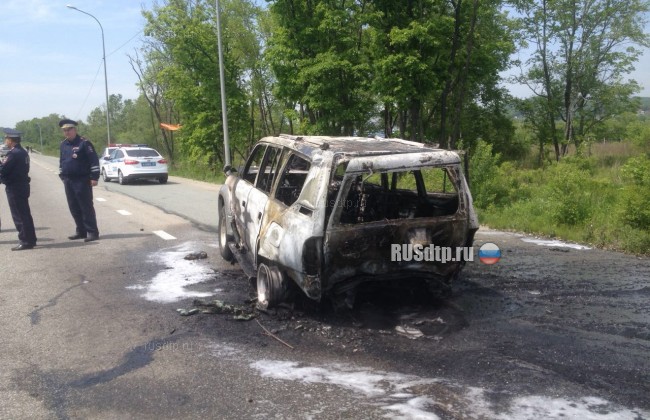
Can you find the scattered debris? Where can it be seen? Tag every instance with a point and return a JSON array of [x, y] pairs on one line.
[[187, 312], [200, 255], [244, 317], [270, 334], [409, 332], [241, 313]]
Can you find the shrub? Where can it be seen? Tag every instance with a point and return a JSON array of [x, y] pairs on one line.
[[637, 170], [634, 204], [634, 207], [571, 194], [488, 189]]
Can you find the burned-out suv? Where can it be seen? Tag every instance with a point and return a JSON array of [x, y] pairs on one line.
[[327, 213]]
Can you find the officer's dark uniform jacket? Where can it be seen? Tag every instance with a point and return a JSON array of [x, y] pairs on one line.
[[14, 171], [78, 159]]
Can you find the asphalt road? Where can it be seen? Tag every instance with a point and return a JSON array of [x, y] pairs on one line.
[[92, 330]]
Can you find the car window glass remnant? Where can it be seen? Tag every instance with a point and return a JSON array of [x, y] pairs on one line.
[[293, 180], [254, 163], [371, 197]]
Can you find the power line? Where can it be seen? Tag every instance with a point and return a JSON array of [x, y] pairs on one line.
[[129, 40], [89, 90]]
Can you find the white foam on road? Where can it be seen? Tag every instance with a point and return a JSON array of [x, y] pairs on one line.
[[171, 284], [414, 397], [555, 243]]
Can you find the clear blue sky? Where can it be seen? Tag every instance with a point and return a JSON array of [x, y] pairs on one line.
[[52, 57]]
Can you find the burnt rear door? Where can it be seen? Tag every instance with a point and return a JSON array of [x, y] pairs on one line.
[[374, 210]]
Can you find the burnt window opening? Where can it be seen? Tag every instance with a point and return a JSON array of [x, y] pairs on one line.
[[254, 163], [292, 180], [426, 192], [269, 169]]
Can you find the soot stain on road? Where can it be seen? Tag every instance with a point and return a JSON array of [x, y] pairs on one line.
[[35, 315], [137, 358]]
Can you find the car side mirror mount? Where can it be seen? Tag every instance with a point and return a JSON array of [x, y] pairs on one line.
[[229, 170]]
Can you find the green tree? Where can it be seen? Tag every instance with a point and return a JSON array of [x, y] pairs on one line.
[[437, 66], [581, 51], [46, 128], [317, 55], [182, 52], [412, 69], [96, 121], [161, 109]]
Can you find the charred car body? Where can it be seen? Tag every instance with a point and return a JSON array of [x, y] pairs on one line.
[[322, 212]]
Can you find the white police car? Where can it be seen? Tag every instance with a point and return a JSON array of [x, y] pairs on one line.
[[127, 163], [4, 150], [112, 146]]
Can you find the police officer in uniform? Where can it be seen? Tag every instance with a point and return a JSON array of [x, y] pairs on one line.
[[79, 171], [14, 174]]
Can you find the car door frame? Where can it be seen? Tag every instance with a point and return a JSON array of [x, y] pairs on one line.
[[250, 201]]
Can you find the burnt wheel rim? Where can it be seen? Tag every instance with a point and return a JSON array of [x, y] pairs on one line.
[[263, 277], [222, 230]]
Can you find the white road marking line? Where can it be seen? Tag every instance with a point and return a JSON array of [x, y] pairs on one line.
[[166, 236], [124, 212], [100, 199]]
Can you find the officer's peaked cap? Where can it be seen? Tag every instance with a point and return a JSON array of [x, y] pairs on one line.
[[12, 134], [66, 123]]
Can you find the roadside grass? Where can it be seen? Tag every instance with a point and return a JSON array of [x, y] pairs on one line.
[[197, 171], [602, 200]]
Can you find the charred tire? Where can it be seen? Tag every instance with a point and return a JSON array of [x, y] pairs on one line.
[[104, 176], [271, 286], [224, 238], [120, 178], [440, 290]]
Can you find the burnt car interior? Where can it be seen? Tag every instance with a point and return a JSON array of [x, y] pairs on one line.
[[292, 179], [427, 192], [270, 159]]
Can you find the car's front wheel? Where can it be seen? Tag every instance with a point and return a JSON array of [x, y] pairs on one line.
[[120, 178], [224, 249], [104, 176]]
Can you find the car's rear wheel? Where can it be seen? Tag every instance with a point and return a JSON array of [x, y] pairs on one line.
[[120, 178], [162, 179], [271, 286], [104, 176], [224, 238]]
